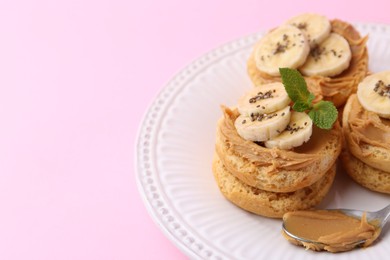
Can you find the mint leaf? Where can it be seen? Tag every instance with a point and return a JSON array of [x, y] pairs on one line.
[[311, 98], [324, 114], [300, 106], [295, 86]]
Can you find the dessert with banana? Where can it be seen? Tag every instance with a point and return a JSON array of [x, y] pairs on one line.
[[276, 150], [366, 130], [330, 54]]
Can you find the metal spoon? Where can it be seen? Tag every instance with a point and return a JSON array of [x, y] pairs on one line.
[[380, 217]]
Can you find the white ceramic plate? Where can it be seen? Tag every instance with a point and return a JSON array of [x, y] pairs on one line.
[[175, 149]]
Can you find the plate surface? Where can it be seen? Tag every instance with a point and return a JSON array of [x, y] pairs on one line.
[[174, 154]]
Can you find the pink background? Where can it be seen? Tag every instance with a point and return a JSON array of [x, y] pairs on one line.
[[76, 78]]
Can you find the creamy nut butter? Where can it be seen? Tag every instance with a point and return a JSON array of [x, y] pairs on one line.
[[331, 230]]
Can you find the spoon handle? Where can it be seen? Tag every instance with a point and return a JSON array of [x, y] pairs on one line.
[[383, 214]]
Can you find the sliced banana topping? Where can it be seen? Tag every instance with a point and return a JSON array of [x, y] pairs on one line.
[[264, 99], [316, 27], [286, 46], [297, 132], [329, 58], [261, 127], [374, 93]]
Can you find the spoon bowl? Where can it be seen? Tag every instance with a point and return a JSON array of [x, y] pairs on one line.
[[378, 219]]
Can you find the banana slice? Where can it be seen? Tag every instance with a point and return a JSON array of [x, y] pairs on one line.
[[265, 99], [262, 127], [374, 93], [297, 132], [286, 46], [329, 58], [316, 27]]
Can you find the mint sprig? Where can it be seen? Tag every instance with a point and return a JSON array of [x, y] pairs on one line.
[[323, 114]]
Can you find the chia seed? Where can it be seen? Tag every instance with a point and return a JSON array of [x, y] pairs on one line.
[[382, 89], [261, 96]]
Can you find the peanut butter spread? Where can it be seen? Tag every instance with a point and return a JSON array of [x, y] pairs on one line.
[[365, 128], [337, 89], [259, 155], [332, 230]]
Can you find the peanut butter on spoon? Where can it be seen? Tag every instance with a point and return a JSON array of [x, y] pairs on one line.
[[334, 230]]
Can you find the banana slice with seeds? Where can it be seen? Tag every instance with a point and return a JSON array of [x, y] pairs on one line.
[[261, 127], [374, 93], [286, 46], [265, 99], [316, 27], [329, 58], [297, 132]]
